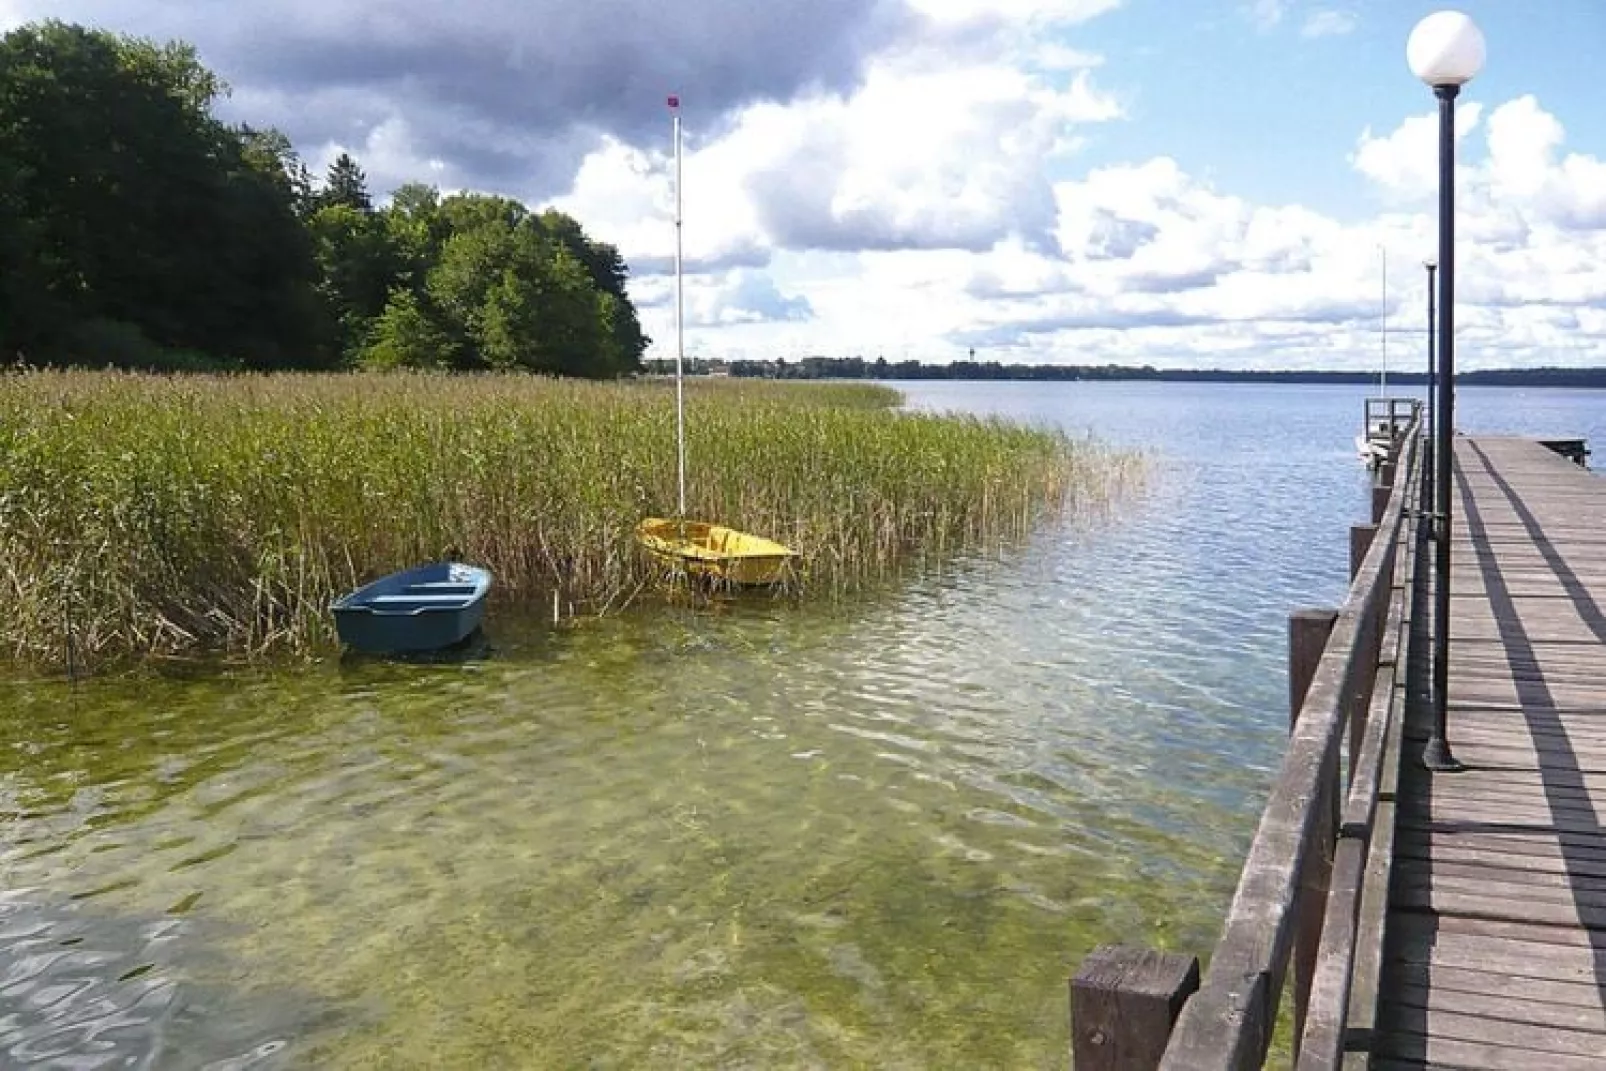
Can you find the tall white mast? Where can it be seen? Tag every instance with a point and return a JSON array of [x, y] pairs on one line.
[[680, 323], [1383, 386]]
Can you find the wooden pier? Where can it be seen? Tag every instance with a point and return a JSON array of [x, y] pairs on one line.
[[1497, 923], [1450, 919]]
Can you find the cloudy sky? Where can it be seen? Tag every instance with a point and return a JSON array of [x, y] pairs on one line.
[[1172, 182]]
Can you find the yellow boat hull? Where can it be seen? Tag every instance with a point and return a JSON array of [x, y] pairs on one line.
[[715, 552]]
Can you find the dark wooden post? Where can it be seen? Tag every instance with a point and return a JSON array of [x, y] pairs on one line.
[[1380, 500], [1124, 1002], [1307, 638], [1384, 484], [1360, 541]]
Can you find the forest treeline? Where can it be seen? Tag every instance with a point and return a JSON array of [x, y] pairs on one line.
[[882, 369], [138, 229]]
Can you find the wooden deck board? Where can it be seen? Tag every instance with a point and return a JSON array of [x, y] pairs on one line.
[[1497, 922]]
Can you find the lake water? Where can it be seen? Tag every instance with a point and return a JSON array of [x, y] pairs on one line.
[[878, 832]]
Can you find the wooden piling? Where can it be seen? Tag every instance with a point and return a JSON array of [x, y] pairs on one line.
[[1124, 1002], [1360, 541]]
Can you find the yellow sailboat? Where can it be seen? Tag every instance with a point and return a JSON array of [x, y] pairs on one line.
[[714, 552], [698, 548]]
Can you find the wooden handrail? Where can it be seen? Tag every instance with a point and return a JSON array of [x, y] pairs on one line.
[[1228, 1023], [1321, 1045]]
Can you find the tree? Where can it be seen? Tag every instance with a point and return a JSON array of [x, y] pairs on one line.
[[406, 336], [346, 185], [572, 337], [357, 268], [26, 304], [507, 327], [617, 357], [459, 283], [270, 151], [416, 231], [609, 275], [130, 204]]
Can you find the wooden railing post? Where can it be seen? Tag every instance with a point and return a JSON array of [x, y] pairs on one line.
[[1308, 631], [1380, 497], [1383, 485], [1124, 1002], [1360, 541]]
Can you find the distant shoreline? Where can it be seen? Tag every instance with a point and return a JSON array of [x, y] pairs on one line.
[[858, 368]]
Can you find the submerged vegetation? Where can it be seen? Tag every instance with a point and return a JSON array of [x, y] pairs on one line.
[[159, 515]]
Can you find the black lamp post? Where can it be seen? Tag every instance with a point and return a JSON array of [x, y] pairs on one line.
[[1432, 266], [1446, 51], [1425, 534]]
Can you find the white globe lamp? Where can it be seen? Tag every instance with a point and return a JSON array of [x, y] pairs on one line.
[[1445, 49]]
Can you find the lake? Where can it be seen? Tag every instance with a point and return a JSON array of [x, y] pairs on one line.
[[874, 831]]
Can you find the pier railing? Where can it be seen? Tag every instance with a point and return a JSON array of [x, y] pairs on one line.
[[1313, 891]]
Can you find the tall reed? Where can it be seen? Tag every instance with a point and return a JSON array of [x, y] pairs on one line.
[[144, 514]]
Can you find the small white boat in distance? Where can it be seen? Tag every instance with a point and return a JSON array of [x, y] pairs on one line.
[[1385, 421], [1369, 450]]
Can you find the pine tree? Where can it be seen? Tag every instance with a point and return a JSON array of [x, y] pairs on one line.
[[346, 185]]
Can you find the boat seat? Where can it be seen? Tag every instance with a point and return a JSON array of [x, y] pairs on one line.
[[443, 587], [416, 600]]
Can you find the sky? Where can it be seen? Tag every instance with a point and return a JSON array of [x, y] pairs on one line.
[[1180, 183]]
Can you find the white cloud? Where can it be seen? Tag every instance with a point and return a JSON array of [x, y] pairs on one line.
[[1523, 169], [921, 156], [1266, 14], [625, 195], [1143, 262], [1405, 162], [1055, 56], [390, 156], [1522, 145], [1328, 22], [745, 296]]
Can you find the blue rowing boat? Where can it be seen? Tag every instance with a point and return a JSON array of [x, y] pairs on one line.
[[422, 609]]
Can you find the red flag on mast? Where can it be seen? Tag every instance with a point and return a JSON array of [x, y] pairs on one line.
[[674, 101]]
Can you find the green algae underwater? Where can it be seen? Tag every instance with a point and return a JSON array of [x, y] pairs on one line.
[[751, 835]]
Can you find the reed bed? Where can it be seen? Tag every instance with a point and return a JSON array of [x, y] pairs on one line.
[[150, 515]]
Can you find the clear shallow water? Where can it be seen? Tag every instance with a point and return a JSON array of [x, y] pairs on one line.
[[872, 833]]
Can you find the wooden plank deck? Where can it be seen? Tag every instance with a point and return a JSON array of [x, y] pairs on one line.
[[1496, 951]]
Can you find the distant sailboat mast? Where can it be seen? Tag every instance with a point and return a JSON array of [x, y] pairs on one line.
[[1383, 384]]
